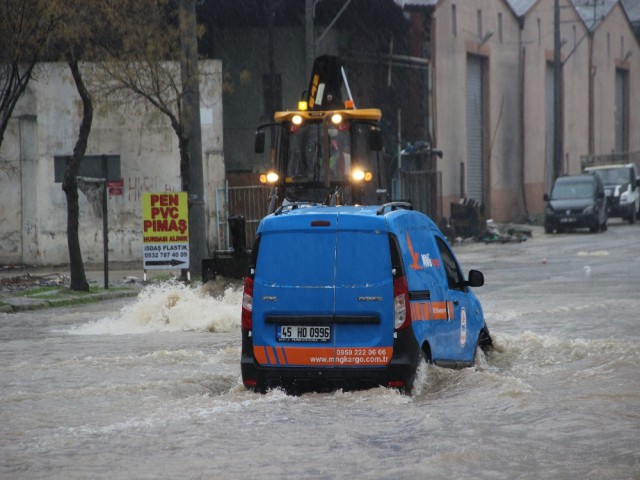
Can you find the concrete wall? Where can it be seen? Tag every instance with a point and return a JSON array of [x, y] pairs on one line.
[[33, 228], [538, 45], [613, 40], [502, 137]]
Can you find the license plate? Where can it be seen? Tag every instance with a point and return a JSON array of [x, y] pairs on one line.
[[306, 333], [567, 220]]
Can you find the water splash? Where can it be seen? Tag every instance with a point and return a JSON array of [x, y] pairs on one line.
[[171, 307]]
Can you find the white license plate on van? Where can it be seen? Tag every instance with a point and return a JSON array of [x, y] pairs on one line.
[[306, 333]]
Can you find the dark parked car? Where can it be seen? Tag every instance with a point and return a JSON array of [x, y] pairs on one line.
[[577, 201]]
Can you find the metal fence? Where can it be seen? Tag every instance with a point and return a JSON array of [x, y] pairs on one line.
[[251, 202], [423, 188]]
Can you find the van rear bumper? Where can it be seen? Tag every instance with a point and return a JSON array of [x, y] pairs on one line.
[[399, 372]]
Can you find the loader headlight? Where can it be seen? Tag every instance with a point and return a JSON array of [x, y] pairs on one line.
[[359, 175], [296, 119], [269, 178]]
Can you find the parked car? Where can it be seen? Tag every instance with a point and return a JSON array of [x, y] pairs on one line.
[[355, 297], [576, 201], [622, 189]]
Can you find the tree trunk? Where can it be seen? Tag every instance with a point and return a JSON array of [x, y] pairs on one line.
[[70, 183]]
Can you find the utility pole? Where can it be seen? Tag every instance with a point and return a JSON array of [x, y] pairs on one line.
[[557, 94], [190, 118]]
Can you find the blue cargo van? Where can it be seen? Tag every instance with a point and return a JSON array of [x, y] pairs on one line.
[[354, 297]]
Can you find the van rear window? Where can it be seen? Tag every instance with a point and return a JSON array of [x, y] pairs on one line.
[[313, 259], [363, 258], [297, 258]]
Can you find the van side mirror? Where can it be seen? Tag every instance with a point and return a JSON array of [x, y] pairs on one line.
[[476, 279], [546, 197], [258, 146]]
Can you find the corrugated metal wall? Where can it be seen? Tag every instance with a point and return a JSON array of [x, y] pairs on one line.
[[475, 128]]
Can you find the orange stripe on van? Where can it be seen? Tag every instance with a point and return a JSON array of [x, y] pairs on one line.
[[440, 311], [324, 356], [260, 353], [271, 355], [431, 310]]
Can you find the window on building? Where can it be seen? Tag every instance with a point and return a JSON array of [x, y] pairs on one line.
[[479, 15], [91, 167], [500, 27], [539, 31]]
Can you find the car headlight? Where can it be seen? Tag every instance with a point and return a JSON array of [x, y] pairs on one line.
[[588, 210], [624, 198]]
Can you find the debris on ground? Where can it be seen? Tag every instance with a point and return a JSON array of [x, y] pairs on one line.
[[495, 233], [27, 281]]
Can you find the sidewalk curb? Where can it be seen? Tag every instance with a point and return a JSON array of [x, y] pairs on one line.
[[12, 304]]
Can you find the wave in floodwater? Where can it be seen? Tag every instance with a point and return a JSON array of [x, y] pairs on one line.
[[173, 307]]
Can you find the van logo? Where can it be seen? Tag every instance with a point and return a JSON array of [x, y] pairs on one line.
[[427, 261], [268, 298], [369, 299]]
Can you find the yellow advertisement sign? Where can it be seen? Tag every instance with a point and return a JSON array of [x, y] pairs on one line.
[[165, 230]]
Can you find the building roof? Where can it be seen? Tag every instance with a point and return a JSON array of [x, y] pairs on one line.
[[633, 9], [520, 7]]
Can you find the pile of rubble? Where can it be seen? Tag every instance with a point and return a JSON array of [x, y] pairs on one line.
[[28, 281]]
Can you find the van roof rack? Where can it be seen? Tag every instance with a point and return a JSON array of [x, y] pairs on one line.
[[394, 206], [286, 207]]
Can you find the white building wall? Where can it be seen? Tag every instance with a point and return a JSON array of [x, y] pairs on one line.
[[46, 126]]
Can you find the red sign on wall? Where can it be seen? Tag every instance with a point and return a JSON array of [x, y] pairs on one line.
[[115, 187]]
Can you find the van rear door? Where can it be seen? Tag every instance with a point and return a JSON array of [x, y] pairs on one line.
[[323, 292], [363, 322], [293, 291]]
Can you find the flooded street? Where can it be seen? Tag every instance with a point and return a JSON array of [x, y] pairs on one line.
[[150, 387]]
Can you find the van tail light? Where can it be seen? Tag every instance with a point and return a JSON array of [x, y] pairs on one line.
[[247, 304], [402, 312]]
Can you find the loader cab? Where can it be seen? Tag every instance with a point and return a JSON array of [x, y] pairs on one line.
[[327, 151], [331, 159]]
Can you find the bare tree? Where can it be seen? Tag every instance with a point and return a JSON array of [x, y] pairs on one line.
[[70, 183], [141, 65], [26, 30]]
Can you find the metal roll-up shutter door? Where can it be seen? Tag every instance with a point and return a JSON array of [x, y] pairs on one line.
[[475, 118], [549, 122]]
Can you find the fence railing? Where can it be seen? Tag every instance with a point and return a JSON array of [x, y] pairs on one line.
[[251, 202]]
